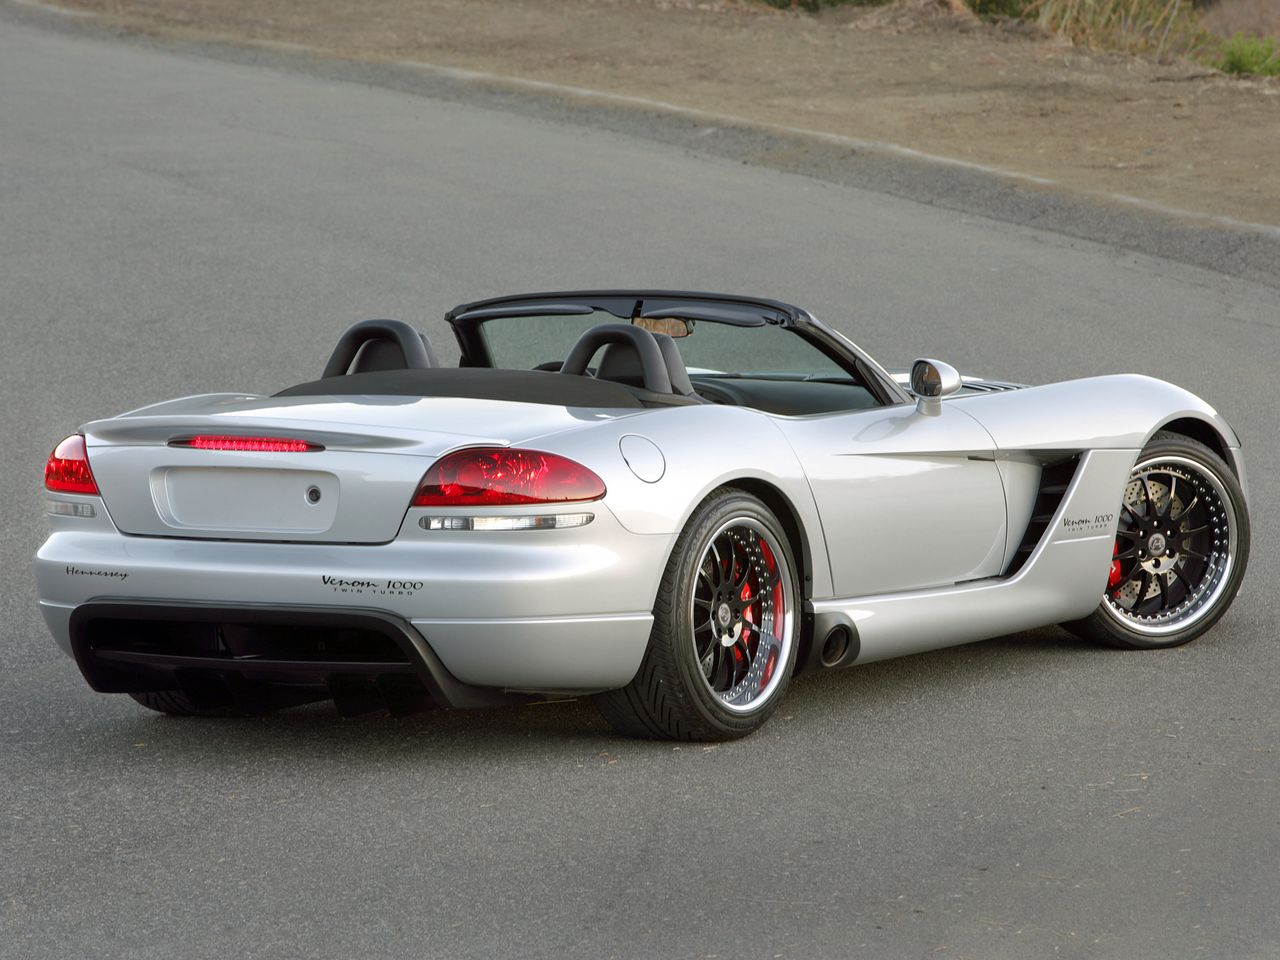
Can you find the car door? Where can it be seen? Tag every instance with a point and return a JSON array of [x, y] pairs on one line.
[[908, 500]]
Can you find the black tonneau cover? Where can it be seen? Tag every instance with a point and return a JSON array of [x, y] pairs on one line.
[[486, 383]]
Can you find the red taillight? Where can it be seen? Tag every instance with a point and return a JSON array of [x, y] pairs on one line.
[[249, 444], [494, 476], [67, 469]]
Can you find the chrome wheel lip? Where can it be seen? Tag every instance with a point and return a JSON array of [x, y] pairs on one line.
[[786, 617], [1221, 576]]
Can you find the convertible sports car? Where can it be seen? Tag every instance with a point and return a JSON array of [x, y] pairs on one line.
[[671, 501]]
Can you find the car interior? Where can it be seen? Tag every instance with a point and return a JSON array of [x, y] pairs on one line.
[[622, 365]]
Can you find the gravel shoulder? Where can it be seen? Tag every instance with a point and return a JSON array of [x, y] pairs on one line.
[[912, 74], [686, 76]]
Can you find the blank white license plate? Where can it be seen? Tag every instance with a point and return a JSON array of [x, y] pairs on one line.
[[241, 499]]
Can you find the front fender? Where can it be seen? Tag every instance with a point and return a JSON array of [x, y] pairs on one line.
[[1112, 412]]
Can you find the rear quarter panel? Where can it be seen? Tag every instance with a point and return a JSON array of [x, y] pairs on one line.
[[703, 447]]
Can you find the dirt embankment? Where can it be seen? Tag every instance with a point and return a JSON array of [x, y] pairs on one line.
[[911, 73]]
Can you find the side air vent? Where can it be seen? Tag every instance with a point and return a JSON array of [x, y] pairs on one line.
[[1055, 478], [989, 386]]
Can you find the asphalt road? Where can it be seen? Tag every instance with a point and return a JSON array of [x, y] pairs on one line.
[[172, 224]]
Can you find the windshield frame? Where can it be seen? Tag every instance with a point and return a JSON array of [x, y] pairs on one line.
[[467, 321]]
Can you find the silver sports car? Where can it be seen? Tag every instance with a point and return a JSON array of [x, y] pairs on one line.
[[673, 502]]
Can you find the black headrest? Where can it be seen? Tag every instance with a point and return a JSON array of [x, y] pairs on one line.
[[620, 363], [680, 382], [377, 355]]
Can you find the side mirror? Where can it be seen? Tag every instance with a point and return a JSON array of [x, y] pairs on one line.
[[931, 380]]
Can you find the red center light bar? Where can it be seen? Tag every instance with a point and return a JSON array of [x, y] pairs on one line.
[[213, 441]]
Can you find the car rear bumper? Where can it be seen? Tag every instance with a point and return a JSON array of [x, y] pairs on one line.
[[461, 662], [526, 611]]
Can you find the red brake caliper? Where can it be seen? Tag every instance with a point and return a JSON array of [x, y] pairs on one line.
[[746, 615], [1113, 578], [772, 565]]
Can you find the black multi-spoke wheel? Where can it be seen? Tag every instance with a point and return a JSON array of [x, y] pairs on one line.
[[740, 614], [725, 627], [1181, 548]]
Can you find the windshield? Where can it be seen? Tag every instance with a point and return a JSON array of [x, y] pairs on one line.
[[708, 348]]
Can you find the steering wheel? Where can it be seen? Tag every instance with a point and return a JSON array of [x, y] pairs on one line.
[[417, 355], [653, 367]]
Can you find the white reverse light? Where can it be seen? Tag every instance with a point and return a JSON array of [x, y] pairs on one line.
[[65, 508], [555, 521]]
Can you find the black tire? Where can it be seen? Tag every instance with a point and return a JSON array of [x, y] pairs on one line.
[[716, 624], [1205, 525], [175, 703]]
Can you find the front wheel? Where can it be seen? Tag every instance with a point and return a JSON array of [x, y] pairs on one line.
[[1181, 549], [725, 629]]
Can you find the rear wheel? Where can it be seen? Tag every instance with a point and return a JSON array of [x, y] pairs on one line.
[[1181, 549], [725, 629]]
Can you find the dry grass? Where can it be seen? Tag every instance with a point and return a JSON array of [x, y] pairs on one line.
[[1150, 27], [1153, 27]]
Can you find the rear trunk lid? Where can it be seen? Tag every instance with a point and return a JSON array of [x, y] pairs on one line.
[[352, 484]]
